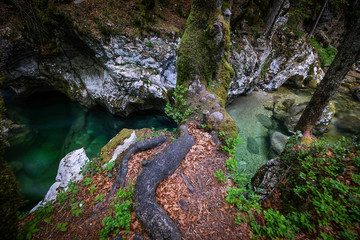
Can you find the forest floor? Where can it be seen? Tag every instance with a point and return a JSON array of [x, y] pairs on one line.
[[192, 197]]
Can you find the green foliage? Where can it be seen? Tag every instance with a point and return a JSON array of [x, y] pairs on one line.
[[326, 55], [76, 209], [325, 182], [62, 226], [276, 226], [220, 175], [43, 213], [230, 144], [109, 166], [87, 181], [149, 44], [92, 189], [264, 69], [121, 216], [100, 197], [180, 110], [92, 166]]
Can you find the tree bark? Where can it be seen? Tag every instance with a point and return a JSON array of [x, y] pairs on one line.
[[123, 167], [272, 14], [317, 20], [152, 217], [347, 55]]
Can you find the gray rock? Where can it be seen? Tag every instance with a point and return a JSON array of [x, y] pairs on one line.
[[252, 145], [278, 142], [69, 169], [296, 109], [216, 117], [119, 75]]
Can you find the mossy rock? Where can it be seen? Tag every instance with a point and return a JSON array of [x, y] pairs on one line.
[[227, 125], [107, 150]]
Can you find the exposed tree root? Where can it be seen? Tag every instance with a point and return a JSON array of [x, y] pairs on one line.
[[152, 217], [123, 168]]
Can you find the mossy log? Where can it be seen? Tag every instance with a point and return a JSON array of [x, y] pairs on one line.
[[123, 167], [152, 217]]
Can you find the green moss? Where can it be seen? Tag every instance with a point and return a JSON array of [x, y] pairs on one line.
[[227, 126], [197, 48], [107, 150], [326, 55]]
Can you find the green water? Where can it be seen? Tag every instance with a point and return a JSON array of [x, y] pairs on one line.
[[51, 127], [251, 117], [255, 124]]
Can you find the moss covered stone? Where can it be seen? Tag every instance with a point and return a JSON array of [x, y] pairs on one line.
[[108, 149]]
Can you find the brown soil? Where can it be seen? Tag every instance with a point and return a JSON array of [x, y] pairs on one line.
[[191, 196]]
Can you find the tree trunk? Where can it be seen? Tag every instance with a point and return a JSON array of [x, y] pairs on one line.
[[203, 66], [317, 20], [202, 45], [347, 55], [272, 14]]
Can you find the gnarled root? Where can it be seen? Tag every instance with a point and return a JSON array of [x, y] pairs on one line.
[[137, 147], [153, 218]]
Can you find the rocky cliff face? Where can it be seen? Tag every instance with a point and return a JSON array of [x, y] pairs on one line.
[[268, 63], [122, 75], [126, 75]]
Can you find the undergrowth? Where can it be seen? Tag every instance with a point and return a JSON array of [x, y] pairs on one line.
[[326, 55], [321, 193], [56, 218], [179, 111]]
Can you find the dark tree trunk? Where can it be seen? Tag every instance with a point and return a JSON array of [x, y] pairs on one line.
[[272, 14], [318, 18], [347, 55]]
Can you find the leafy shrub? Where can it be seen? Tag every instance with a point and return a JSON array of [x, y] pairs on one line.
[[180, 110], [122, 213]]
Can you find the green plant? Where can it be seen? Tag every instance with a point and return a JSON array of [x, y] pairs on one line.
[[43, 213], [324, 194], [220, 175], [92, 189], [109, 166], [100, 197], [326, 55], [91, 166], [87, 181], [180, 110], [62, 226], [231, 144], [149, 44], [121, 215], [76, 209], [264, 69]]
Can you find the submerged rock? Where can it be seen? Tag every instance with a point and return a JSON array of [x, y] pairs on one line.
[[252, 145], [264, 120], [349, 124]]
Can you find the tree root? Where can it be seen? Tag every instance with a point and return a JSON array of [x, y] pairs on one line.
[[123, 168], [152, 217]]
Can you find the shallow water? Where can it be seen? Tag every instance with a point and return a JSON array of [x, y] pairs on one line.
[[52, 126], [246, 111]]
